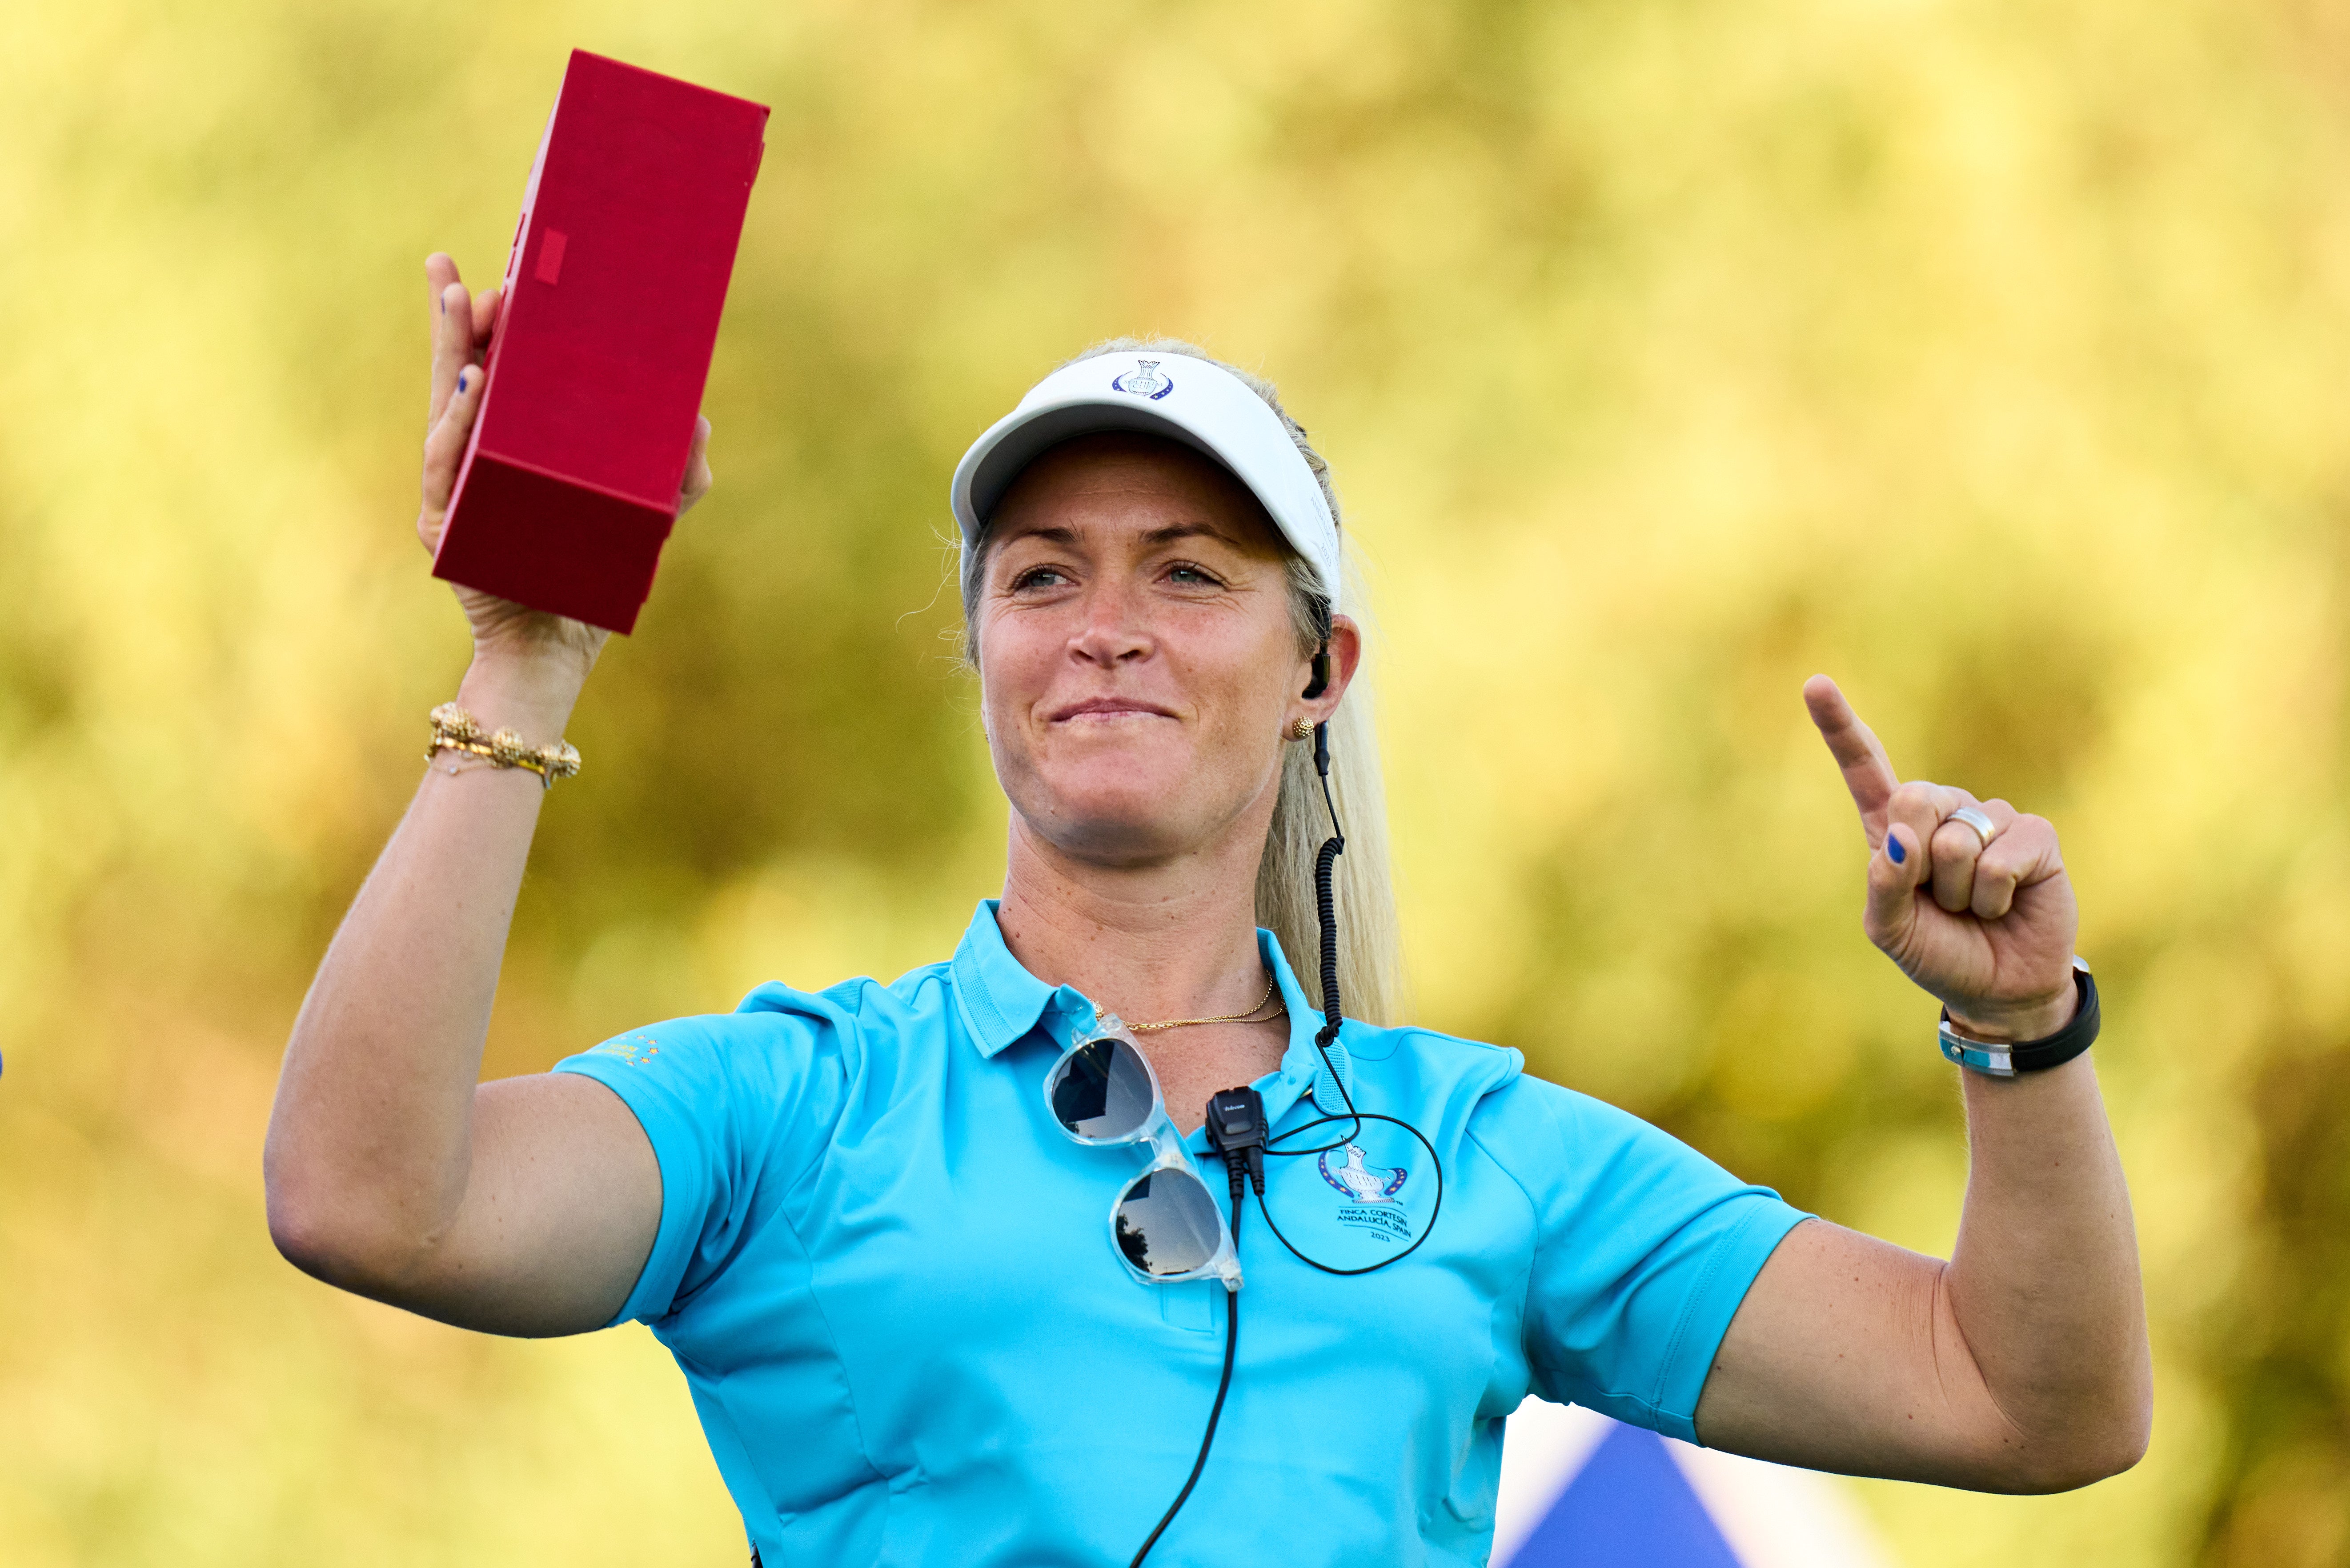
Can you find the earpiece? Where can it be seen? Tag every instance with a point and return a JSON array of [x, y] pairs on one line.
[[1321, 681]]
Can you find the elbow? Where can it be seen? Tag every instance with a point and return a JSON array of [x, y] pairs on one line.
[[2121, 1446], [328, 1232], [2098, 1451], [304, 1237], [304, 1228], [2086, 1466]]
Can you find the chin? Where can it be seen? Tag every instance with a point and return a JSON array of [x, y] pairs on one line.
[[1119, 809]]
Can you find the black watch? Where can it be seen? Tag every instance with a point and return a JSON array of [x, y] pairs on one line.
[[2029, 1055]]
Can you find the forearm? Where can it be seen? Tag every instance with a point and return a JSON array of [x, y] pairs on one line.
[[2020, 1364], [2042, 1286], [370, 1140]]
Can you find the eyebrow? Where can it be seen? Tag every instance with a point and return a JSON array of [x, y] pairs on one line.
[[1169, 534]]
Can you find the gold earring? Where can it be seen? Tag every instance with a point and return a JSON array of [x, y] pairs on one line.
[[1302, 731]]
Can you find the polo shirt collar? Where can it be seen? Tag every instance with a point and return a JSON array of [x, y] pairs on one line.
[[1001, 1003], [1001, 1000]]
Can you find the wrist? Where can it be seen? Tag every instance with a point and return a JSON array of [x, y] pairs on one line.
[[2003, 1023], [531, 695]]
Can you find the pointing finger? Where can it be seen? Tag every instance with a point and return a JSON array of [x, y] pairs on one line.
[[1867, 772]]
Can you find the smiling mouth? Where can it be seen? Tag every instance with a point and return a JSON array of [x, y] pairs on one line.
[[1107, 708]]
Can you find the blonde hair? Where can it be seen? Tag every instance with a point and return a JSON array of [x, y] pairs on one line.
[[1370, 968]]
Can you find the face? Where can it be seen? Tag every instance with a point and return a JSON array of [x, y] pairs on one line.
[[1137, 658]]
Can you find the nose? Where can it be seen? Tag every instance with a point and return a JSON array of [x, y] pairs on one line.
[[1111, 632]]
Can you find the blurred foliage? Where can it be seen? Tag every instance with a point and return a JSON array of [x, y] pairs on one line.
[[1988, 355]]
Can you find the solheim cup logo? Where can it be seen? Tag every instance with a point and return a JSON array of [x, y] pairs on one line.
[[1143, 382], [1359, 1183], [1366, 1194]]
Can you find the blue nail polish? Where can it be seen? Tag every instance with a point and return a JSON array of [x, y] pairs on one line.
[[1893, 848], [461, 381]]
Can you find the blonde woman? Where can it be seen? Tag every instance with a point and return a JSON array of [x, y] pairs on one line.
[[954, 1269]]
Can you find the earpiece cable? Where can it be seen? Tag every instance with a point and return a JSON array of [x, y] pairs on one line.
[[1325, 908], [1357, 1118]]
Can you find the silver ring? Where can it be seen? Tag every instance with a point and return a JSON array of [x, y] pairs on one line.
[[1985, 829]]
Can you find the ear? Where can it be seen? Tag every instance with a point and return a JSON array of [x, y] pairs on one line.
[[1343, 657]]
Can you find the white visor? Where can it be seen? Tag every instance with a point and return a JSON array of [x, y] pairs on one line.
[[1188, 400]]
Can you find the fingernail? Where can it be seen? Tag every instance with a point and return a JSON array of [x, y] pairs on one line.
[[461, 381], [1893, 848]]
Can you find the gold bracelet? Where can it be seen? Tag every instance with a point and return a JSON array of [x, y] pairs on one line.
[[454, 730]]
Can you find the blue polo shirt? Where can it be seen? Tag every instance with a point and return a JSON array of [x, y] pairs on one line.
[[891, 1282]]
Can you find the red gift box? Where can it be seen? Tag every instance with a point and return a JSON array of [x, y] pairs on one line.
[[613, 292]]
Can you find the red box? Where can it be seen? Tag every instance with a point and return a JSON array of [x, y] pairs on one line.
[[613, 291]]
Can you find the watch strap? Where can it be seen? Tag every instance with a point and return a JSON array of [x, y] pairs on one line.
[[2005, 1061]]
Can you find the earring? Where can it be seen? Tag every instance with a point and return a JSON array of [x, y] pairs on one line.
[[1302, 731]]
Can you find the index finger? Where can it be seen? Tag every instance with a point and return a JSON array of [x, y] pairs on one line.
[[1868, 771]]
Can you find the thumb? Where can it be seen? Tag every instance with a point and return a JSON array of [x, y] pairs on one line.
[[1895, 872]]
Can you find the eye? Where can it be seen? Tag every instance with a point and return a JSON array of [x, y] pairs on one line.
[[1193, 576], [1039, 577]]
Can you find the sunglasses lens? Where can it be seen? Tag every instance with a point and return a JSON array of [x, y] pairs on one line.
[[1101, 1091], [1167, 1223]]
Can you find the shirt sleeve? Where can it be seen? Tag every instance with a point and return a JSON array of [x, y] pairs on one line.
[[1643, 1250], [727, 1101]]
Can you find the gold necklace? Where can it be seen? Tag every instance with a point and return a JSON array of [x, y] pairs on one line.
[[1227, 1018]]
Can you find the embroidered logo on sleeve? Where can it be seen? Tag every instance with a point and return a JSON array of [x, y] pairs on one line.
[[636, 1050]]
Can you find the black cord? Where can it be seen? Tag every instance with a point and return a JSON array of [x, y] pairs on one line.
[[1231, 1342], [1326, 912], [1358, 1117]]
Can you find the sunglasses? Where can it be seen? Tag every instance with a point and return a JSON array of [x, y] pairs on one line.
[[1166, 1224]]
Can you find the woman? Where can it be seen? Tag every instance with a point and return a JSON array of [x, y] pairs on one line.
[[885, 1269]]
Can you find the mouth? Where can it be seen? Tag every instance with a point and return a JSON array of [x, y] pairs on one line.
[[1097, 710]]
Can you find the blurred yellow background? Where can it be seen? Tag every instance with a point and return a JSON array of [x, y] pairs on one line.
[[1991, 357]]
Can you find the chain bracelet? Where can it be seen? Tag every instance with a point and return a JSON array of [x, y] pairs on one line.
[[454, 730]]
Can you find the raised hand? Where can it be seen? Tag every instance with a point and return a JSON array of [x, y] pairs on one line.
[[462, 323], [1987, 928]]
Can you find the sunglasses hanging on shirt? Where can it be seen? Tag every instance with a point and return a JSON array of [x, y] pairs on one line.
[[1165, 1223]]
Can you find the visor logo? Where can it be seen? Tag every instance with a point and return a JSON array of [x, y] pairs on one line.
[[1143, 382]]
